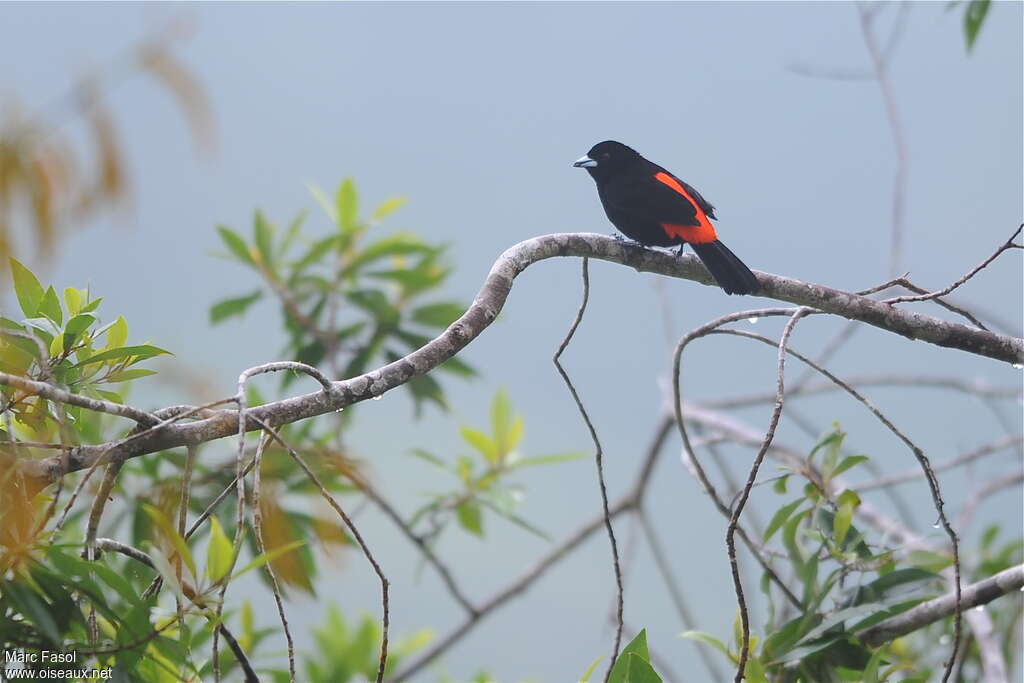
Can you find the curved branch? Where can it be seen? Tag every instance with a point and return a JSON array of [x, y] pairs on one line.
[[482, 313]]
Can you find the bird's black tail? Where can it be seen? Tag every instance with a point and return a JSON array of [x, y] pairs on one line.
[[727, 269]]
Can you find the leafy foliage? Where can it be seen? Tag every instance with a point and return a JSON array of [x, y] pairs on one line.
[[483, 475], [846, 582], [63, 343], [352, 298]]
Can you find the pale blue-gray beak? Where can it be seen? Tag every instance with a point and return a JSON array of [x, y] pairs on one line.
[[584, 162]]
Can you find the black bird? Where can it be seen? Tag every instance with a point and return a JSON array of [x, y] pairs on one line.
[[650, 205]]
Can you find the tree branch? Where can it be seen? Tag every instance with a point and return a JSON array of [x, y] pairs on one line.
[[482, 313], [974, 595]]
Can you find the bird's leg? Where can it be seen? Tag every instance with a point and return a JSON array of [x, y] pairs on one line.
[[681, 247]]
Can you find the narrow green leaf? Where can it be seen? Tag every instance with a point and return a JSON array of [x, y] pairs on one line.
[[157, 516], [848, 462], [534, 460], [347, 202], [49, 306], [27, 288], [481, 442], [706, 639], [780, 517], [140, 352], [73, 300], [324, 201], [268, 556], [128, 375], [974, 17], [91, 306], [387, 207], [219, 552], [585, 678], [117, 333], [468, 514], [841, 522], [263, 234], [629, 661], [236, 245], [501, 417], [226, 308], [780, 484], [291, 234]]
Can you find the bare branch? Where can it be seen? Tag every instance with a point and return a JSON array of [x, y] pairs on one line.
[[1009, 244], [974, 595], [598, 453], [484, 310], [980, 452]]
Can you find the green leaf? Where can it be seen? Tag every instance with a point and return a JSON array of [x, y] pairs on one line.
[[585, 678], [219, 552], [27, 288], [635, 669], [394, 245], [236, 245], [128, 375], [438, 315], [848, 502], [226, 308], [117, 333], [780, 484], [49, 306], [91, 306], [535, 460], [157, 516], [346, 201], [501, 416], [848, 462], [841, 522], [291, 233], [630, 666], [140, 352], [707, 639], [482, 443], [263, 233], [73, 300], [871, 670], [268, 556], [75, 327], [974, 17], [387, 207], [780, 517], [468, 514]]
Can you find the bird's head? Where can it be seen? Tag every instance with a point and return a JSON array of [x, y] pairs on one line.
[[606, 158]]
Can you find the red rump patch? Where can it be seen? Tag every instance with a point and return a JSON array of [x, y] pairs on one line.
[[694, 234]]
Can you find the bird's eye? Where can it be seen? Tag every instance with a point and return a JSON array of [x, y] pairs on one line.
[[606, 155]]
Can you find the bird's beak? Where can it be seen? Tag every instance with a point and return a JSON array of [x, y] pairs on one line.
[[584, 162]]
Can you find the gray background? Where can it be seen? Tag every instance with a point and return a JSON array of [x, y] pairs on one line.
[[474, 112]]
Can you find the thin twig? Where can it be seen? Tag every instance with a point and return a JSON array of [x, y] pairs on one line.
[[261, 547], [598, 457], [922, 459], [745, 494], [428, 554], [911, 475], [1009, 244], [110, 545], [384, 583]]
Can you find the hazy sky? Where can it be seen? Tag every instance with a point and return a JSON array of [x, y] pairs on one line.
[[475, 112]]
